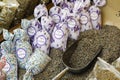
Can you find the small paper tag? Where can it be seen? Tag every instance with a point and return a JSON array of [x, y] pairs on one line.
[[94, 15], [56, 18], [7, 67], [41, 40], [71, 23], [59, 34], [21, 53], [31, 31], [84, 19]]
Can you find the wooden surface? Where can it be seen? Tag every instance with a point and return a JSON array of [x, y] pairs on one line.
[[111, 13], [18, 26]]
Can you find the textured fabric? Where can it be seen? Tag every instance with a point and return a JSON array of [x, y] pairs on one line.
[[23, 52], [60, 36], [20, 34], [85, 21], [95, 15], [55, 2], [74, 27], [80, 5], [33, 27], [25, 24], [47, 23], [55, 13], [7, 50], [42, 41], [40, 10], [66, 4], [22, 47], [99, 3], [28, 76], [64, 13], [2, 65], [37, 62]]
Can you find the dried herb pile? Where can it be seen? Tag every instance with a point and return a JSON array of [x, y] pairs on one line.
[[84, 53]]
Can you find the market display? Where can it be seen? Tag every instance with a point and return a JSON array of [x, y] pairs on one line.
[[108, 37], [34, 51]]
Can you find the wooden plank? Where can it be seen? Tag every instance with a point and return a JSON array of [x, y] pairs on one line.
[[18, 26]]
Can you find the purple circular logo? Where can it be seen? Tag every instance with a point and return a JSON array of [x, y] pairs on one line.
[[58, 34], [21, 53], [94, 15], [71, 23], [31, 31], [56, 18], [84, 19], [7, 67], [41, 40]]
